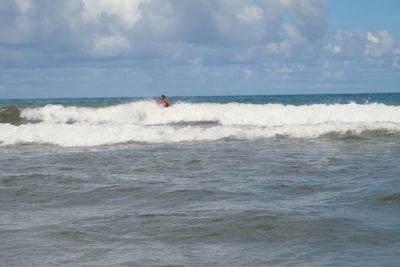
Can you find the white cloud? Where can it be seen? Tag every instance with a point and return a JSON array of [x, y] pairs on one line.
[[248, 73], [196, 61], [179, 32], [156, 26], [336, 49], [24, 6], [345, 44], [281, 48], [110, 46], [309, 16], [250, 14], [127, 11], [285, 69], [244, 56], [290, 33], [379, 44], [17, 25], [372, 38]]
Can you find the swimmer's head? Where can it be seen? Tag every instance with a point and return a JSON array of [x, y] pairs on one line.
[[162, 96]]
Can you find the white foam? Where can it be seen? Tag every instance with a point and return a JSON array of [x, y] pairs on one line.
[[147, 112], [144, 121]]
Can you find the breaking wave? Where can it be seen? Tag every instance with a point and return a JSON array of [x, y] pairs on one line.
[[11, 114], [145, 121]]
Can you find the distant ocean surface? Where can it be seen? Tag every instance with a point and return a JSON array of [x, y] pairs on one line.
[[301, 180]]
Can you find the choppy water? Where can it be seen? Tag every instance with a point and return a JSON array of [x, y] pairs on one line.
[[285, 180]]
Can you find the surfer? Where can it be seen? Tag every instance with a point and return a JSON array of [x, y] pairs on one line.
[[164, 101]]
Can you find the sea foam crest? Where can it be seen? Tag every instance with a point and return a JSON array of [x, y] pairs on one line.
[[145, 121], [148, 113]]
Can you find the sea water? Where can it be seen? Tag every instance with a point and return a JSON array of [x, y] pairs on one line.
[[307, 180]]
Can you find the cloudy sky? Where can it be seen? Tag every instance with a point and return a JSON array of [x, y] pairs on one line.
[[92, 48]]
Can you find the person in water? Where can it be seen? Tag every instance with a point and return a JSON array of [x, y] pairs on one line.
[[164, 101]]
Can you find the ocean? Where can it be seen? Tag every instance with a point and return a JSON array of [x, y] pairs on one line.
[[300, 180]]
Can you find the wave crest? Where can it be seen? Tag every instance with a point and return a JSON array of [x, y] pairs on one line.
[[145, 121], [11, 114]]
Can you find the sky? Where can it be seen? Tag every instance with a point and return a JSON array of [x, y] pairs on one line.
[[115, 48]]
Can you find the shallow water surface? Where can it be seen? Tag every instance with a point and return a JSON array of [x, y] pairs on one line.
[[240, 203]]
